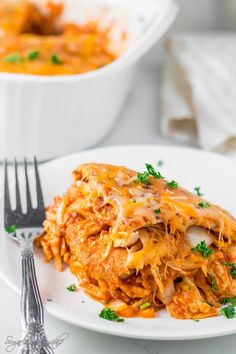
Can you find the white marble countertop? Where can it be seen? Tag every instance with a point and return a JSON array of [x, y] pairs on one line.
[[141, 112]]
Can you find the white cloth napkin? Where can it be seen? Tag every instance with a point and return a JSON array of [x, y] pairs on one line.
[[199, 90]]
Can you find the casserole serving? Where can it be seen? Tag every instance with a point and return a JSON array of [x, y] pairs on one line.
[[137, 243], [37, 41]]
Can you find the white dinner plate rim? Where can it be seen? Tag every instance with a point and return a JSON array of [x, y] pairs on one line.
[[116, 329]]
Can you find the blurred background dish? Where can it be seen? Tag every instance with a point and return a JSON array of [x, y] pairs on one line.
[[36, 40], [53, 115]]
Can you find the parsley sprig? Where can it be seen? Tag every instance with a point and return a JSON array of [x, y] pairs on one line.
[[198, 192], [173, 184], [203, 249], [71, 287], [228, 312], [232, 269], [157, 211], [203, 205], [11, 229], [144, 177], [34, 54], [55, 59], [213, 284], [110, 315], [228, 300], [151, 170], [13, 58]]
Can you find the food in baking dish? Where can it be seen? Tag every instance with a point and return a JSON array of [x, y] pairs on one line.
[[139, 243], [35, 40]]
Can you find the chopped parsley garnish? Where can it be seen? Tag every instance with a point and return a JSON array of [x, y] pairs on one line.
[[55, 60], [203, 205], [134, 200], [11, 229], [198, 192], [142, 177], [13, 58], [203, 249], [224, 301], [229, 264], [228, 312], [110, 315], [227, 300], [151, 170], [160, 163], [172, 184], [144, 306], [213, 283], [233, 272], [232, 269], [157, 211], [33, 55], [71, 287]]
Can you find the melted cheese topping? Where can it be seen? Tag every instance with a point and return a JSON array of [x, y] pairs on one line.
[[108, 230]]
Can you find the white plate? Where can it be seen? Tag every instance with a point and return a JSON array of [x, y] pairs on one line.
[[214, 173]]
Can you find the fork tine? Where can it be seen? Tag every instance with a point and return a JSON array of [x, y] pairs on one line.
[[40, 202], [18, 200], [28, 197], [7, 202]]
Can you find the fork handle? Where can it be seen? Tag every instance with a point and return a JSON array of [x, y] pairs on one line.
[[34, 339]]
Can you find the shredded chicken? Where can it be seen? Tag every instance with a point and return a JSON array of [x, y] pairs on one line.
[[124, 252]]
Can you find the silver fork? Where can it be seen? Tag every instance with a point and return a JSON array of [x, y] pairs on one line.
[[27, 226]]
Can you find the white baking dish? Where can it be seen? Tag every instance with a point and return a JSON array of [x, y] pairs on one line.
[[50, 116]]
